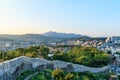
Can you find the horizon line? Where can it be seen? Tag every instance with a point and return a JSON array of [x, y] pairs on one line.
[[56, 32]]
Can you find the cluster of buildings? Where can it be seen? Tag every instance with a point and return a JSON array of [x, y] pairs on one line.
[[86, 43], [109, 44], [112, 44], [11, 45]]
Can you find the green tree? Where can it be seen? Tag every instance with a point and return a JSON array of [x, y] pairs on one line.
[[85, 78], [109, 52], [87, 56], [69, 76], [44, 51], [57, 74]]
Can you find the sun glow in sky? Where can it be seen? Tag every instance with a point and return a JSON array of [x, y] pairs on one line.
[[88, 17]]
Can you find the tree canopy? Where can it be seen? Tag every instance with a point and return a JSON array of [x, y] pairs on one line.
[[87, 56]]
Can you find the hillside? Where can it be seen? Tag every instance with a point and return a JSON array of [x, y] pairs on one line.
[[61, 35], [29, 37]]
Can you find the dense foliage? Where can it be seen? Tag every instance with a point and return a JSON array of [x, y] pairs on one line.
[[32, 51], [58, 74], [24, 75], [87, 56]]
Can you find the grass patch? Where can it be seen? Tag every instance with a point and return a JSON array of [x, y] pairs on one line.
[[24, 74]]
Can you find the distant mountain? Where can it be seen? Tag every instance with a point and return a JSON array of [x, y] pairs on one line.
[[5, 39], [29, 37], [61, 35], [46, 37]]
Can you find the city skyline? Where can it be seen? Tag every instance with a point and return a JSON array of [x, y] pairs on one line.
[[92, 18]]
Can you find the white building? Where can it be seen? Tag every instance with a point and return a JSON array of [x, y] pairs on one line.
[[114, 39]]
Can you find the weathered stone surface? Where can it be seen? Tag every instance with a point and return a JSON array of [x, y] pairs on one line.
[[10, 69], [49, 66], [40, 67], [70, 68]]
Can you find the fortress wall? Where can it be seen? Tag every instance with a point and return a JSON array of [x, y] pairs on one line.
[[12, 68]]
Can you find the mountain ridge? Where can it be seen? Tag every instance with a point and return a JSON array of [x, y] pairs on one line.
[[45, 37], [61, 35]]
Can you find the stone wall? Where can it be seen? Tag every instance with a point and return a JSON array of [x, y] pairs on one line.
[[12, 68], [79, 68]]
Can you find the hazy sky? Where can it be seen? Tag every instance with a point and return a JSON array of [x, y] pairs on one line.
[[88, 17]]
